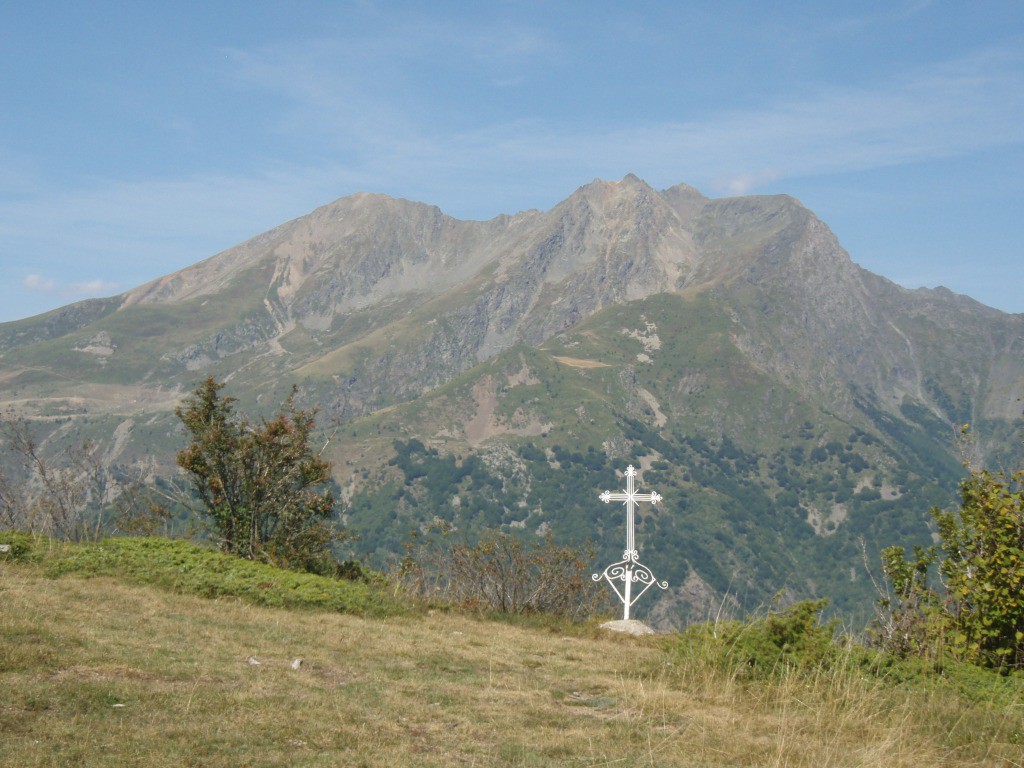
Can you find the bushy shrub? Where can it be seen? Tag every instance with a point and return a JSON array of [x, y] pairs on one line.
[[793, 639], [261, 486], [501, 572], [979, 614], [20, 546], [911, 619]]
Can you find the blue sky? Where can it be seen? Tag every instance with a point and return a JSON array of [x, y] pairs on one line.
[[139, 137]]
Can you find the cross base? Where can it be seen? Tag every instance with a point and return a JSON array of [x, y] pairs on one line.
[[629, 571]]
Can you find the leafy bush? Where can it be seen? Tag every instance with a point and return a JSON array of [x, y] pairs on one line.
[[20, 546], [983, 568], [980, 616]]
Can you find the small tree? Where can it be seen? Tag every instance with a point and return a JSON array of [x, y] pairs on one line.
[[980, 615], [261, 486], [983, 569]]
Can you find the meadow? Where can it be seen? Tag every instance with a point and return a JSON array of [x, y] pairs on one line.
[[101, 667]]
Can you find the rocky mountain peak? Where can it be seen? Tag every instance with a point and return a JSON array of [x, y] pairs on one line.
[[612, 196], [470, 289]]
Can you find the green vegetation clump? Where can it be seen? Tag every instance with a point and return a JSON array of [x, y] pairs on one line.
[[20, 546], [793, 639], [978, 616], [192, 569]]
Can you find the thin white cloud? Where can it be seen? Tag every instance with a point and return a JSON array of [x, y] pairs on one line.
[[500, 44], [364, 93], [39, 283], [857, 23], [93, 288], [958, 108], [745, 183], [77, 290], [955, 108]]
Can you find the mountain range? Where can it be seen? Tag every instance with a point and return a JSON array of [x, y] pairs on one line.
[[795, 411]]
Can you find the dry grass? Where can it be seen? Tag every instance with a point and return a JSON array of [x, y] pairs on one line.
[[99, 673]]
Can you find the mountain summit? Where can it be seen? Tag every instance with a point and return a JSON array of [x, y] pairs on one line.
[[730, 347]]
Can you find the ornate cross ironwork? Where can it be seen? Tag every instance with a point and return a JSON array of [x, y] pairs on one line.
[[629, 570]]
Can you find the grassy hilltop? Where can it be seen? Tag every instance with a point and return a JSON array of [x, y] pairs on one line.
[[104, 661]]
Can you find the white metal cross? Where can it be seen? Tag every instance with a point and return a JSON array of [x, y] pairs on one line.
[[629, 570]]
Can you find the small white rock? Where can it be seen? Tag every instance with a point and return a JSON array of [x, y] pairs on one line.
[[297, 663], [252, 661], [629, 626]]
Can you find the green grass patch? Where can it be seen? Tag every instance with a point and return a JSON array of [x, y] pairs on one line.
[[781, 643], [22, 547], [192, 569]]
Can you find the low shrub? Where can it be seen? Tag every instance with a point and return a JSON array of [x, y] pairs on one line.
[[793, 639], [965, 680], [21, 547], [500, 573]]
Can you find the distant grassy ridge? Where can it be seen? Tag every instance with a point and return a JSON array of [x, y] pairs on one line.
[[189, 568]]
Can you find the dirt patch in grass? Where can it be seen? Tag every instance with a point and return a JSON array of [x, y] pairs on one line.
[[576, 362]]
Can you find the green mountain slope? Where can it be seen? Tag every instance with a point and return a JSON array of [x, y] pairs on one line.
[[763, 488], [795, 410]]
